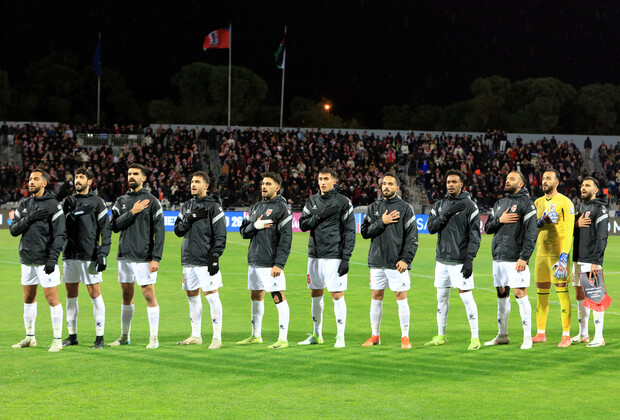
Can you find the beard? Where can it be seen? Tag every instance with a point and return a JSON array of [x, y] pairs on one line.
[[511, 190], [388, 195], [34, 190], [548, 189]]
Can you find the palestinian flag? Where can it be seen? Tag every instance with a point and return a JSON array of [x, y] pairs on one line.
[[280, 54]]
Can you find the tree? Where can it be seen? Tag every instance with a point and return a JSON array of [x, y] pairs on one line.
[[195, 97], [248, 91], [397, 117], [597, 107]]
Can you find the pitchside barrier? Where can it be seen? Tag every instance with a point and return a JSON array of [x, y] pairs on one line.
[[235, 218]]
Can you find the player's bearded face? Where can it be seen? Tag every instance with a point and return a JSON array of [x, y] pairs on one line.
[[81, 182], [549, 182], [454, 185], [198, 187], [512, 184], [588, 190], [389, 187], [135, 178], [35, 183], [269, 188]]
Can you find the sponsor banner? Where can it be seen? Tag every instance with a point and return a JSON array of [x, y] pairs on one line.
[[234, 219]]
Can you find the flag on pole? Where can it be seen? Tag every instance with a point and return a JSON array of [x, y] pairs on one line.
[[219, 38], [280, 54], [97, 59]]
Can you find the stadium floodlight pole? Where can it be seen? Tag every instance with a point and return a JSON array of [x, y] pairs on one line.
[[282, 93], [229, 67]]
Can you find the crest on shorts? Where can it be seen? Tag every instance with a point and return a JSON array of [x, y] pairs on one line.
[[268, 212], [591, 279], [513, 208], [586, 215]]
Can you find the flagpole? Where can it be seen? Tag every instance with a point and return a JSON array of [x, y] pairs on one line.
[[99, 90], [282, 90], [229, 67]]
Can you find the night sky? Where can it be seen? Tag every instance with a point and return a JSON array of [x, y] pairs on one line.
[[360, 54]]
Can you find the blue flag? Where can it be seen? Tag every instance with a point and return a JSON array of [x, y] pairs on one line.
[[97, 60]]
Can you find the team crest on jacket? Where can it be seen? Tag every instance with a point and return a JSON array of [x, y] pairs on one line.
[[513, 208], [586, 215], [268, 212]]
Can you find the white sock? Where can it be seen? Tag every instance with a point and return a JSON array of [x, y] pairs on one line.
[[443, 305], [376, 311], [258, 309], [216, 314], [56, 314], [317, 315], [584, 316], [195, 314], [284, 315], [72, 314], [99, 315], [525, 309], [126, 317], [472, 312], [30, 316], [404, 315], [599, 320], [503, 310], [340, 312], [153, 316]]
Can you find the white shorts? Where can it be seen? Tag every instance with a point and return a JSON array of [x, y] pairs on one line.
[[580, 268], [136, 272], [506, 274], [197, 277], [80, 271], [323, 272], [381, 278], [451, 276], [260, 278], [33, 275]]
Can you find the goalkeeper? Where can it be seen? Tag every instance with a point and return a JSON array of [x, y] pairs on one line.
[[556, 220]]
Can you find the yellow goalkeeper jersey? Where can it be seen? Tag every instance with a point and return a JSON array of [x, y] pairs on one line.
[[554, 239]]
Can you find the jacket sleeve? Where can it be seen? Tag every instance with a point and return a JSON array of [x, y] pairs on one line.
[[103, 226], [369, 228], [159, 230], [59, 233], [600, 225], [411, 236], [531, 233], [181, 225], [19, 225], [569, 225], [121, 222], [307, 221], [285, 227], [348, 221], [474, 232], [247, 229], [436, 223], [493, 224], [218, 229]]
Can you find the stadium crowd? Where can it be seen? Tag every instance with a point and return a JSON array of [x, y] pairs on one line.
[[172, 155]]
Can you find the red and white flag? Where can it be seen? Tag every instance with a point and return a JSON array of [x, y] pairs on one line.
[[219, 38]]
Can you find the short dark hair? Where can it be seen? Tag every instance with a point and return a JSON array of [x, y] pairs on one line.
[[44, 174], [457, 173], [203, 175], [556, 173], [85, 171], [328, 170], [393, 175], [142, 168], [589, 178], [276, 177]]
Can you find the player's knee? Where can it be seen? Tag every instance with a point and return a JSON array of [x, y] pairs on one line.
[[502, 294], [277, 297]]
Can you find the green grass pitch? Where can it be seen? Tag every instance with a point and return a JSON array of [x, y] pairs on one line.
[[304, 382]]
